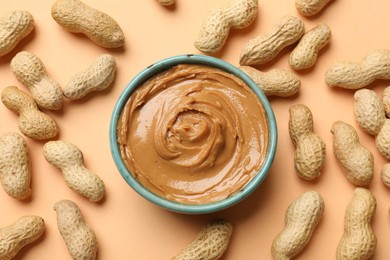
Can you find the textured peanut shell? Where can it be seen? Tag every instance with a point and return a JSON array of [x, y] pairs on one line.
[[31, 72], [305, 54], [356, 161], [309, 157], [369, 111], [301, 219], [358, 240], [355, 75], [77, 17], [68, 157], [263, 48], [310, 149], [215, 28], [275, 82], [310, 7], [15, 166], [210, 244], [14, 26], [300, 122], [371, 117], [22, 232], [382, 140], [386, 100], [32, 122], [98, 76], [385, 175], [79, 237]]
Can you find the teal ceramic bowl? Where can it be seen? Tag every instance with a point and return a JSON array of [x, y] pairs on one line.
[[157, 68]]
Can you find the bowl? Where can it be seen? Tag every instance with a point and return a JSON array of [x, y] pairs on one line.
[[164, 65]]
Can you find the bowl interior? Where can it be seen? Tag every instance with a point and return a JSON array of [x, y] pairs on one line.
[[191, 208]]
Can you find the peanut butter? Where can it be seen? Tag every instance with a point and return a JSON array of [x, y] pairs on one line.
[[193, 134]]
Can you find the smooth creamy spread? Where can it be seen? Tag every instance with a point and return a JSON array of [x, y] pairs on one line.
[[193, 134]]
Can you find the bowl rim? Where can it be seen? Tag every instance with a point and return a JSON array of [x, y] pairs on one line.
[[159, 67]]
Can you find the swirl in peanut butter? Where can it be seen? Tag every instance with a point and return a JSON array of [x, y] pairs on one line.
[[193, 134]]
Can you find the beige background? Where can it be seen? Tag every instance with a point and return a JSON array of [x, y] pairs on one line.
[[129, 227]]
